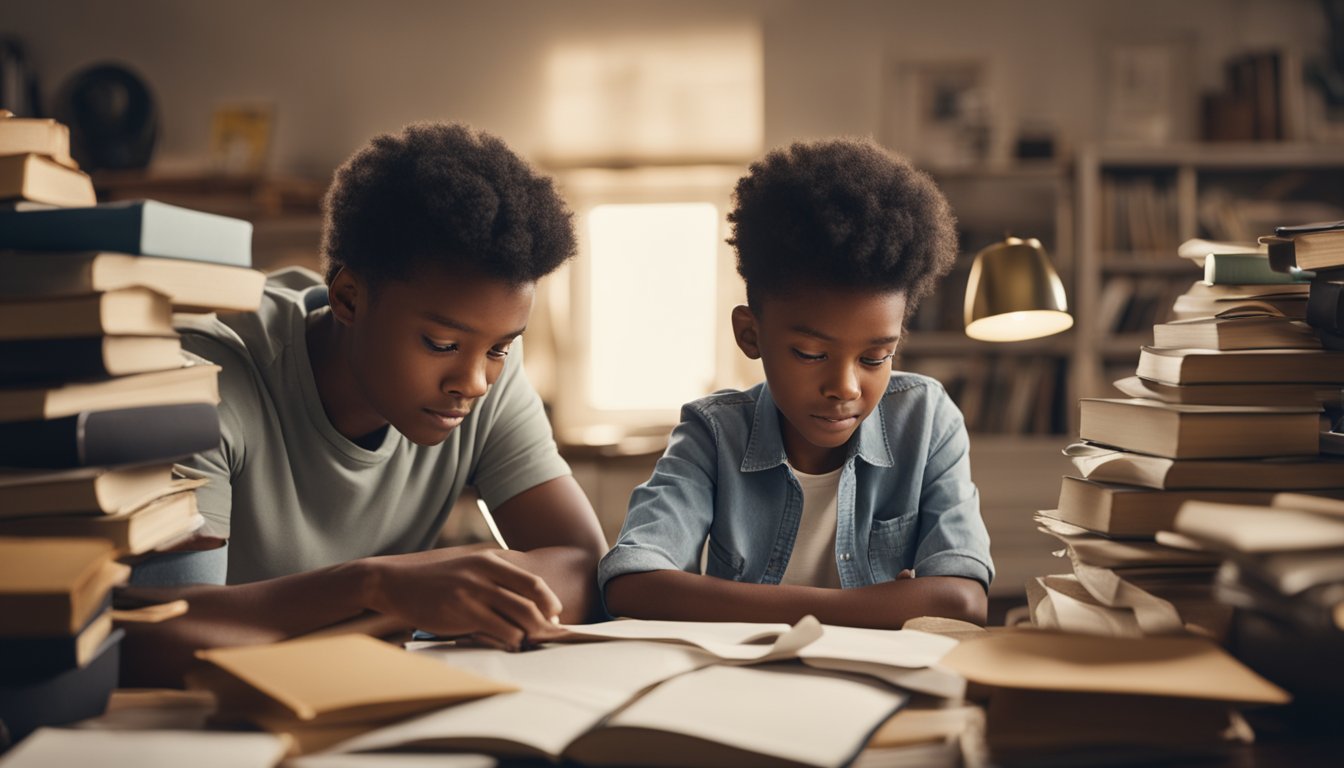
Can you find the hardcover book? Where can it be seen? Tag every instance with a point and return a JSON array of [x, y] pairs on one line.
[[87, 491], [1262, 332], [92, 357], [1234, 393], [142, 227], [112, 437], [123, 312], [1108, 465], [1200, 431], [160, 522], [1257, 366], [54, 586], [191, 286], [41, 180], [1127, 512], [194, 382], [36, 136]]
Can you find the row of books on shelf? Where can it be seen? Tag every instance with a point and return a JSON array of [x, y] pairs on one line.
[[1139, 215], [1003, 394], [97, 401], [1221, 451]]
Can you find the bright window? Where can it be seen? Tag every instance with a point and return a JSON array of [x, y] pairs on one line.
[[652, 313]]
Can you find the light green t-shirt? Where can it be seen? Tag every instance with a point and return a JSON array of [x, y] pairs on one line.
[[292, 494]]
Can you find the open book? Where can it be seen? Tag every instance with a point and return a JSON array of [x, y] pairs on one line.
[[676, 693]]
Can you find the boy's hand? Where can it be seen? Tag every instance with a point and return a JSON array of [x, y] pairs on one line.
[[480, 594]]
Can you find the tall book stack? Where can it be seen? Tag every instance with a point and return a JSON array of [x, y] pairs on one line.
[[1227, 407], [1317, 251], [1283, 571], [97, 398]]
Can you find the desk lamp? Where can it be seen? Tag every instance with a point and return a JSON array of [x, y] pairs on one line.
[[1014, 293]]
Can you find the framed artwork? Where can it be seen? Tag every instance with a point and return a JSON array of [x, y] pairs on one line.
[[1147, 91], [938, 112], [240, 138]]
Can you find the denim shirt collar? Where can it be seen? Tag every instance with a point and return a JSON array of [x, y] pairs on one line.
[[765, 445]]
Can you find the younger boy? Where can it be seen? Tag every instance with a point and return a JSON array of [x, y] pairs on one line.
[[827, 488], [355, 410]]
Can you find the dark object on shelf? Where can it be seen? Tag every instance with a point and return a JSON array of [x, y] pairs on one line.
[[18, 83], [112, 117]]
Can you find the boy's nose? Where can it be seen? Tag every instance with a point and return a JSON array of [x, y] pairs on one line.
[[842, 384], [468, 380]]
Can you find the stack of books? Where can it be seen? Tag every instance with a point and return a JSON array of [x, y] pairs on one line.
[[97, 398], [1226, 407], [36, 169], [1070, 699], [1283, 572], [58, 650], [1317, 251]]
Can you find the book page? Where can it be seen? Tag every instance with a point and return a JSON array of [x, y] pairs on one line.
[[521, 724], [64, 747], [602, 675], [784, 711], [566, 690], [730, 641]]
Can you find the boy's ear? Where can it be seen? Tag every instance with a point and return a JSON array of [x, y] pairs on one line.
[[744, 331], [346, 294]]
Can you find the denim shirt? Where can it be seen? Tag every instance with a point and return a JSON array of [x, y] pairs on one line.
[[906, 499]]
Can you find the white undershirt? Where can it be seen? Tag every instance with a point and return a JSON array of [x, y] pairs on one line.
[[812, 562]]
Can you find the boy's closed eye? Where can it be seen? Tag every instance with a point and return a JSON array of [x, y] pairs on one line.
[[434, 346]]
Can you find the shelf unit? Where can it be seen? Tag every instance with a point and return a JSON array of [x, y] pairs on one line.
[[1135, 204], [992, 383]]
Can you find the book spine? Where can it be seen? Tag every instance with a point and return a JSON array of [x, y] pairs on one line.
[[109, 438], [1325, 306], [74, 229], [1247, 269], [37, 360], [1282, 255]]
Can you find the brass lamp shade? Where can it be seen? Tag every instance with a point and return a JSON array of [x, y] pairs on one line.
[[1014, 294]]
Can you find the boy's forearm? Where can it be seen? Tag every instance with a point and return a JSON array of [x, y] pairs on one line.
[[288, 606], [569, 572], [677, 595], [244, 614]]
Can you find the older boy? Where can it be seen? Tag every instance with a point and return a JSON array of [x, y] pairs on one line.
[[825, 489], [354, 412]]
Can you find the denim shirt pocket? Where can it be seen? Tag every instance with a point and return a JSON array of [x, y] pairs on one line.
[[723, 562], [890, 546]]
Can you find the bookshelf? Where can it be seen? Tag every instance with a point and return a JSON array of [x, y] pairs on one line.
[[1135, 205], [1010, 390]]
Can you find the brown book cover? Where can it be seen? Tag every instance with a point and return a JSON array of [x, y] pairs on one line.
[[161, 521], [43, 180], [191, 286], [1179, 431], [334, 680], [36, 136], [54, 586], [1257, 366], [130, 311], [1126, 511], [88, 490]]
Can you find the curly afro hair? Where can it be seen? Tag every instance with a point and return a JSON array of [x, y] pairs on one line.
[[840, 213], [443, 193]]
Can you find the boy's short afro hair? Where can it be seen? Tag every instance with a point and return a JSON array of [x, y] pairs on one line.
[[442, 192], [840, 213]]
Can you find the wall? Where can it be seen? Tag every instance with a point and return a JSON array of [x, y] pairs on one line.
[[342, 70]]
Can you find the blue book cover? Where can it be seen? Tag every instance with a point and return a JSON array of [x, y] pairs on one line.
[[140, 227]]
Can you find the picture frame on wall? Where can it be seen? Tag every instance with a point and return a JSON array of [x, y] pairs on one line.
[[1147, 93], [938, 112]]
